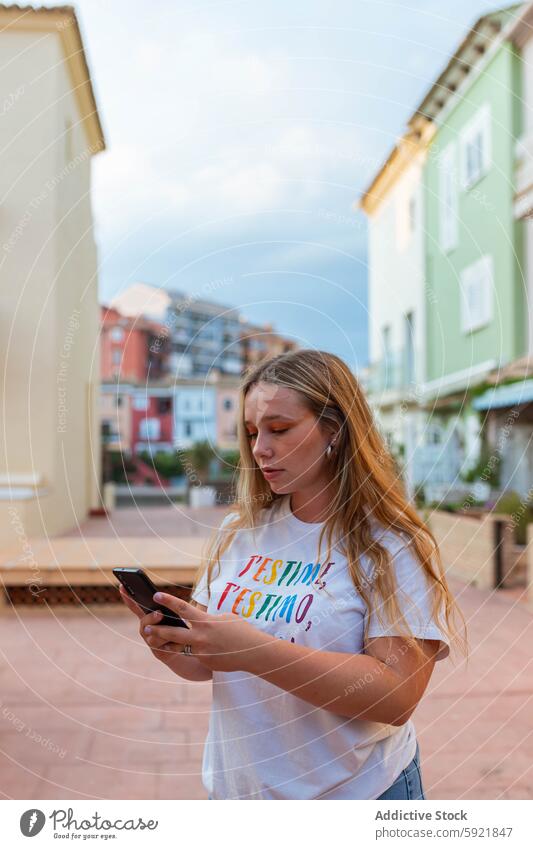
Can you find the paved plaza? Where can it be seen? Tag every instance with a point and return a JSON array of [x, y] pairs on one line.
[[87, 713]]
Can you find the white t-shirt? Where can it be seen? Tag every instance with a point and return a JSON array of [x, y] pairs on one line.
[[265, 743]]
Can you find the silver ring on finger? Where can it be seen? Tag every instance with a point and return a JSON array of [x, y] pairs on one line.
[[187, 650]]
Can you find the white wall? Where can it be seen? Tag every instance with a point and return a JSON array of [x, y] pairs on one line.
[[396, 267], [48, 282]]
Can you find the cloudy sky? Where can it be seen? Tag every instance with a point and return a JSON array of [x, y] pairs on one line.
[[241, 132]]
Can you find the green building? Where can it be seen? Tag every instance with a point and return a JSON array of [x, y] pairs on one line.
[[476, 308], [475, 305]]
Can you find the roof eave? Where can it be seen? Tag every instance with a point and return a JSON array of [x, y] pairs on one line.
[[401, 156], [438, 95], [471, 49], [63, 20], [522, 29]]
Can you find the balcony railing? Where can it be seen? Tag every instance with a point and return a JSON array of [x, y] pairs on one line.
[[394, 373]]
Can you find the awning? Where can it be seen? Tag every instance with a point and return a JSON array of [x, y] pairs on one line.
[[511, 395]]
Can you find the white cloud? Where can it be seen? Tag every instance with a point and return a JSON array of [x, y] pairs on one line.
[[129, 187]]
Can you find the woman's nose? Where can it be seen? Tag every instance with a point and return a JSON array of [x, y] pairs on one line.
[[262, 447]]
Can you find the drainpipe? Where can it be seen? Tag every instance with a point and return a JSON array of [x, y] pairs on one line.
[[498, 553]]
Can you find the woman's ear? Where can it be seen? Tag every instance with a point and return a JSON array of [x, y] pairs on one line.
[[333, 437]]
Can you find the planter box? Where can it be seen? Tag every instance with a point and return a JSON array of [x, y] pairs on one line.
[[466, 545], [202, 496]]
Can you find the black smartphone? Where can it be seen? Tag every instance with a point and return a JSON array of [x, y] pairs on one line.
[[142, 589]]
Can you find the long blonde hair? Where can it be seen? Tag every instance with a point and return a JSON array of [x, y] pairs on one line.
[[368, 488]]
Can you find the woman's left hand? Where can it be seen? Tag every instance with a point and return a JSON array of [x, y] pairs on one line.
[[224, 642]]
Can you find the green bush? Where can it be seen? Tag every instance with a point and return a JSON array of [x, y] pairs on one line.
[[166, 463], [200, 455], [117, 466], [486, 469], [419, 496], [228, 463], [199, 459]]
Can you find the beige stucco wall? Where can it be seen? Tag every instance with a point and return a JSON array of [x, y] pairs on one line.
[[49, 316], [466, 546]]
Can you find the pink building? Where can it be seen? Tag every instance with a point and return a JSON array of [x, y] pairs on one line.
[[226, 413]]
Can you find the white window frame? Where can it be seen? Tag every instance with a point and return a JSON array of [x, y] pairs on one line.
[[477, 285], [434, 434], [479, 127], [412, 212], [406, 199], [448, 201], [386, 336], [140, 402], [117, 334], [150, 428], [409, 346]]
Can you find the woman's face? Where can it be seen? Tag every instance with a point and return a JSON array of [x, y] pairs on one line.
[[286, 438]]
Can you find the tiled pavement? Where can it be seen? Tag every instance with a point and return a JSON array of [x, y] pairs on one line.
[[113, 723], [172, 520], [86, 712]]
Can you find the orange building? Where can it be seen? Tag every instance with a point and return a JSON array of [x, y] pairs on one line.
[[259, 342], [132, 349]]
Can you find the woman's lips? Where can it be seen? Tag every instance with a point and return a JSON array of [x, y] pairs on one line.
[[270, 474]]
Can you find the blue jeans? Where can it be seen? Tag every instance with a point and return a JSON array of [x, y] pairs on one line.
[[408, 785]]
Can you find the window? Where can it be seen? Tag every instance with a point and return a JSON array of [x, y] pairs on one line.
[[448, 198], [405, 216], [228, 404], [433, 434], [140, 402], [409, 329], [387, 376], [116, 357], [119, 400], [412, 214], [117, 334], [475, 147], [149, 428], [387, 330], [477, 281], [387, 342], [188, 429], [164, 405]]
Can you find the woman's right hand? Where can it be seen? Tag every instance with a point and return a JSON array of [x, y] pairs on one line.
[[186, 666]]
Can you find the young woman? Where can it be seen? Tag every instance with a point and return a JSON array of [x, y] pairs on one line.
[[323, 605]]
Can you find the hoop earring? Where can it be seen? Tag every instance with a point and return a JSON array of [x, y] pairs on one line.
[[329, 450]]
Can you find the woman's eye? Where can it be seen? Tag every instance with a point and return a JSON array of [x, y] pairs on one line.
[[253, 435]]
